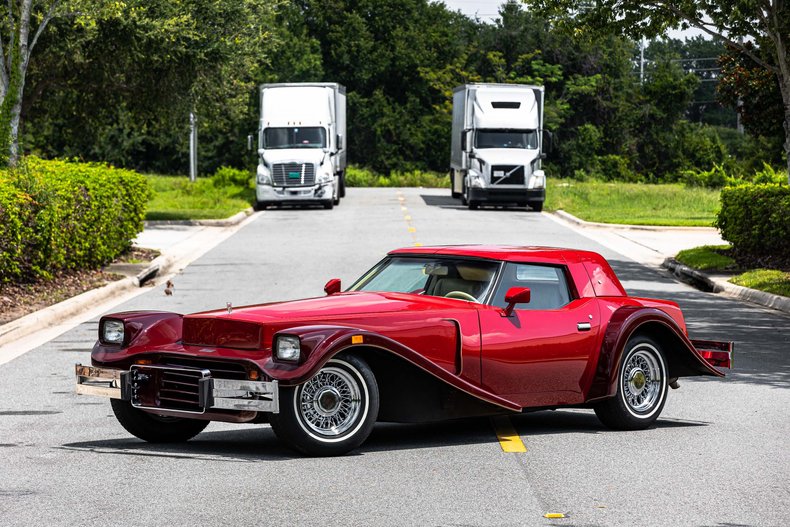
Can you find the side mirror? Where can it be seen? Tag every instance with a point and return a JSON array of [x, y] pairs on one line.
[[548, 141], [332, 287], [465, 140], [516, 295], [340, 141], [249, 142]]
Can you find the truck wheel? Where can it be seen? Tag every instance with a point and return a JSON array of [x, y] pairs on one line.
[[537, 206], [641, 387], [155, 428], [332, 413], [342, 192], [259, 205], [329, 204]]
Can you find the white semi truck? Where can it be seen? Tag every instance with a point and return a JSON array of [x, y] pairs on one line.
[[497, 145], [301, 144]]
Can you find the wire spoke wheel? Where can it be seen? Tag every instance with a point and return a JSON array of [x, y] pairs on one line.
[[331, 413], [330, 403], [641, 381], [641, 387]]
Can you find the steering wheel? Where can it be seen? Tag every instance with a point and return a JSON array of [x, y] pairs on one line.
[[461, 296]]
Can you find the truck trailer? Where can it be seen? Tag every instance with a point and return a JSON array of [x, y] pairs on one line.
[[497, 145], [301, 144]]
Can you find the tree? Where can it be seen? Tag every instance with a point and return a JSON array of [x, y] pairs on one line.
[[766, 22], [120, 89]]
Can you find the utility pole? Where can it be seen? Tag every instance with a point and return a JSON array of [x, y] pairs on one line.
[[193, 145]]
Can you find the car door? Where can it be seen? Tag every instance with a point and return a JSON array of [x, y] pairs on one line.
[[539, 355]]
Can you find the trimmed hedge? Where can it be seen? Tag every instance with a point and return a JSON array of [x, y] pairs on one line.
[[60, 215], [756, 220]]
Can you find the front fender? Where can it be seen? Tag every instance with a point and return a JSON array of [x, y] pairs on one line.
[[622, 325], [321, 343]]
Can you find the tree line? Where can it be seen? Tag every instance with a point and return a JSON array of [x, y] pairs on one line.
[[116, 81]]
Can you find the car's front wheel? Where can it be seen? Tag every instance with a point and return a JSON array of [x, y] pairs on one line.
[[155, 428], [641, 387], [332, 413]]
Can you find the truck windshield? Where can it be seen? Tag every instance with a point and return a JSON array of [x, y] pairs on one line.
[[447, 277], [506, 139], [303, 137]]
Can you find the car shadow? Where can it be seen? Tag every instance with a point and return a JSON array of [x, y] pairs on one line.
[[253, 445]]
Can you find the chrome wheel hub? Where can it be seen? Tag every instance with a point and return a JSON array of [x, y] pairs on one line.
[[641, 381], [330, 403]]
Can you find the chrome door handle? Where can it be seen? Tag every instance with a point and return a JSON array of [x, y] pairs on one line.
[[584, 326]]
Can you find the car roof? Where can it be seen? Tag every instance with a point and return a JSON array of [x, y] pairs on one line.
[[510, 253]]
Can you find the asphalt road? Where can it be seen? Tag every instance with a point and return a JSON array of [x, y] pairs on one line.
[[718, 455]]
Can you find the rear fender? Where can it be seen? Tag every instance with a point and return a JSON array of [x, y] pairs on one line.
[[683, 358], [321, 343]]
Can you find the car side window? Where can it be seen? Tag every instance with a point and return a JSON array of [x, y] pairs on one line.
[[548, 286]]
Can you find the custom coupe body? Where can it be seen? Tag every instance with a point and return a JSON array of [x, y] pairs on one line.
[[428, 333]]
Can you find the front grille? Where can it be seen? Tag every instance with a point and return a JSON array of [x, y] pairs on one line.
[[179, 390], [507, 175], [293, 174], [218, 369]]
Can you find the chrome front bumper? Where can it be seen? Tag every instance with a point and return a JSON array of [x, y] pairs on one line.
[[143, 385]]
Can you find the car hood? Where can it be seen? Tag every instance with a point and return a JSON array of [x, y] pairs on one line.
[[339, 306]]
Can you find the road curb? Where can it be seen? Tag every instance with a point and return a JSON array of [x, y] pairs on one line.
[[578, 221], [703, 281], [227, 222]]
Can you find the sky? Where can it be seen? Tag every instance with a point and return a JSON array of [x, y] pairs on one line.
[[488, 10]]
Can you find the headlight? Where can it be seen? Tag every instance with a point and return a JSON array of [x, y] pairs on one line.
[[538, 179], [324, 177], [112, 332], [264, 176], [476, 180], [288, 347]]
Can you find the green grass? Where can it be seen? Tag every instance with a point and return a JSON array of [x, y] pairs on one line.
[[176, 198], [633, 203], [768, 280], [363, 177], [707, 258]]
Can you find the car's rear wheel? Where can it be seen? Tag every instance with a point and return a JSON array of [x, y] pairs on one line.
[[332, 413], [641, 387], [155, 428]]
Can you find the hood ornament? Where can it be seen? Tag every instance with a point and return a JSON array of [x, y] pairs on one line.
[[230, 307]]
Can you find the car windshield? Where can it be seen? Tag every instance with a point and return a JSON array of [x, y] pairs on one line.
[[462, 279], [506, 139], [304, 137]]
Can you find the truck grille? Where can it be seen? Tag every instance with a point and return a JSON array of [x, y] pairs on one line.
[[293, 174], [507, 175]]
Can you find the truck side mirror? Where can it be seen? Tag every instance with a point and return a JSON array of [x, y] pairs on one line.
[[332, 287], [340, 141], [516, 295], [548, 141], [465, 140], [249, 142]]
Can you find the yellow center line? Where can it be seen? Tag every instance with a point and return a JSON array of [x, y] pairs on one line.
[[509, 439], [407, 218]]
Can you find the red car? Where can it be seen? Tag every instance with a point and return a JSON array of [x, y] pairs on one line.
[[428, 333]]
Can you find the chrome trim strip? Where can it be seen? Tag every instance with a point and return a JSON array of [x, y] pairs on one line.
[[231, 394]]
